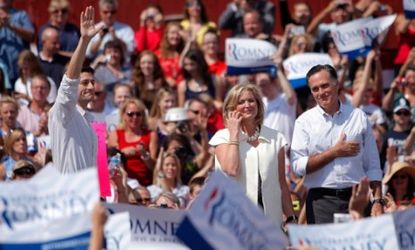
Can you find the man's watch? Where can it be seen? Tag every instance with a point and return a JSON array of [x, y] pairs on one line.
[[381, 201]]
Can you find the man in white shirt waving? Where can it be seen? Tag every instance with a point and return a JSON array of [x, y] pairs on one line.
[[73, 142], [334, 148]]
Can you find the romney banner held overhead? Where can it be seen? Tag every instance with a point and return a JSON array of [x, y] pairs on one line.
[[249, 56], [297, 66], [409, 8], [223, 217]]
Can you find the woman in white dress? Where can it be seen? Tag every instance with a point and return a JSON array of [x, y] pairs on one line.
[[253, 154]]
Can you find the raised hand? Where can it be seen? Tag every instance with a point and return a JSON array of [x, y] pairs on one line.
[[360, 197], [87, 23], [345, 148], [234, 123]]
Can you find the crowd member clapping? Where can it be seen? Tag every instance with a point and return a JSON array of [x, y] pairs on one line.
[[166, 178], [135, 141]]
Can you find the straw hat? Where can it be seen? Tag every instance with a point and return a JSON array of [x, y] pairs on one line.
[[396, 167], [176, 115]]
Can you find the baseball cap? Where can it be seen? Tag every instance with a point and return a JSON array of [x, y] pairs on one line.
[[401, 103], [176, 115]]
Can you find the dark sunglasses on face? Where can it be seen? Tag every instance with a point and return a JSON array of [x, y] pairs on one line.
[[403, 112], [109, 11], [143, 200], [98, 93], [63, 11], [131, 114], [24, 171]]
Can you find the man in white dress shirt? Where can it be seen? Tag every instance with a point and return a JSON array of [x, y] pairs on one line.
[[334, 148], [73, 142]]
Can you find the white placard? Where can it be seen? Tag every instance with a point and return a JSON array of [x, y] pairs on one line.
[[248, 56]]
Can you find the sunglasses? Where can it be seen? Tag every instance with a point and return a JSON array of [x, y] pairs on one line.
[[26, 170], [98, 93], [400, 176], [138, 114], [109, 12], [404, 113], [143, 200], [63, 11]]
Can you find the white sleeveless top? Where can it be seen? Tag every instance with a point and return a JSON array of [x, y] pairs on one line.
[[264, 158]]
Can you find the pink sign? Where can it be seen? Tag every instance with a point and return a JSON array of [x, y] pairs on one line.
[[102, 159]]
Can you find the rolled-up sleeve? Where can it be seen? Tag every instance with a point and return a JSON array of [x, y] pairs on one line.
[[371, 162], [299, 148]]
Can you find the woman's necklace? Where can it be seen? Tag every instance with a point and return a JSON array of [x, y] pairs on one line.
[[255, 136]]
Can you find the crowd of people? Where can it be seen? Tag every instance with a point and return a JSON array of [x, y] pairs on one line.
[[173, 114]]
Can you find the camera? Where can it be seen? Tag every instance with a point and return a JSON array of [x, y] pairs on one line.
[[105, 30], [183, 127]]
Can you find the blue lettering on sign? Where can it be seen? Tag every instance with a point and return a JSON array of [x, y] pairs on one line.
[[352, 243], [229, 215], [346, 38], [26, 209], [154, 227], [406, 238], [249, 53]]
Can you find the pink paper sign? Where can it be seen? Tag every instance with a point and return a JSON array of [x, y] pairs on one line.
[[102, 159]]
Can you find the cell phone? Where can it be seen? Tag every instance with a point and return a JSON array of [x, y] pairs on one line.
[[105, 30]]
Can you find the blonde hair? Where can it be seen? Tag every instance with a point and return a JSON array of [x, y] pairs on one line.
[[231, 100], [155, 111], [159, 169], [11, 138], [9, 100], [58, 4], [140, 106], [309, 43]]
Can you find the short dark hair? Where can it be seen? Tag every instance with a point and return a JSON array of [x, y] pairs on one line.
[[319, 67], [87, 69]]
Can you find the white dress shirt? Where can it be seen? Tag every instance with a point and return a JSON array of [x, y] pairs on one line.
[[316, 131], [73, 142]]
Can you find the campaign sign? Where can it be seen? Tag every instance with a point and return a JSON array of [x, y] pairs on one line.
[[65, 233], [405, 228], [151, 226], [409, 8], [223, 217], [376, 233], [43, 198], [249, 56], [349, 39], [357, 37], [297, 66], [377, 29], [117, 231], [102, 159]]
